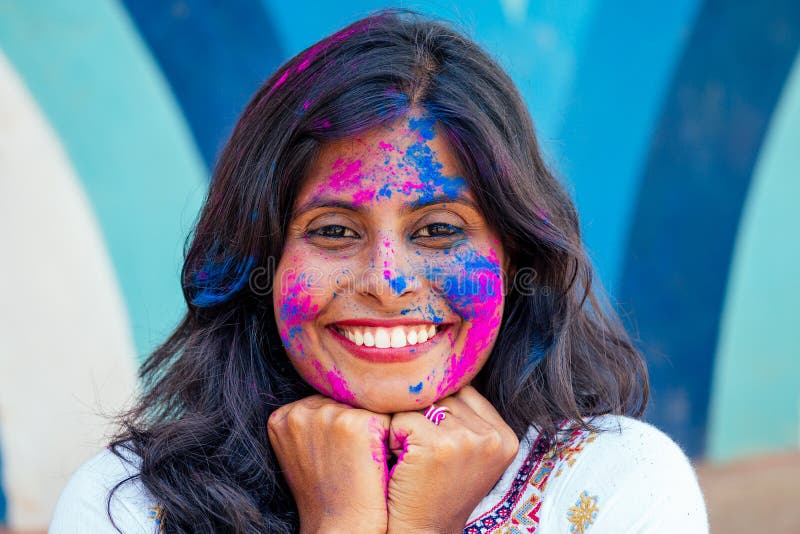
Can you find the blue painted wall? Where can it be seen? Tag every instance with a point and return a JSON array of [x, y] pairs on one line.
[[656, 119]]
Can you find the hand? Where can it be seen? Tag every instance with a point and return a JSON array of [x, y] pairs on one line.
[[444, 471], [333, 457]]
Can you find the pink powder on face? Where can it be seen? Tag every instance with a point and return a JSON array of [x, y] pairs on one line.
[[386, 146], [295, 308], [346, 178], [407, 187], [337, 387], [483, 307], [363, 196]]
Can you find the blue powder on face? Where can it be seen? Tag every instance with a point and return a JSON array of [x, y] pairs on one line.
[[433, 316], [462, 292], [415, 389], [398, 284], [420, 156], [424, 125], [385, 191], [295, 331]]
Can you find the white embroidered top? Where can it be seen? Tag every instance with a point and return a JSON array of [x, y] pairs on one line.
[[630, 477]]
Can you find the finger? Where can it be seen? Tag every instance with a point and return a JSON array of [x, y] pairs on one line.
[[312, 402], [408, 429], [481, 406], [465, 414]]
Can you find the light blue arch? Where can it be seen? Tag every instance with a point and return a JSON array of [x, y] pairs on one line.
[[94, 79], [536, 42], [594, 75], [755, 393], [623, 74]]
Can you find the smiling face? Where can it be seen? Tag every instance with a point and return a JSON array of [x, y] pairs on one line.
[[389, 291]]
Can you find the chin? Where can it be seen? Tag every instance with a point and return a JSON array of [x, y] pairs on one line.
[[381, 402], [391, 406]]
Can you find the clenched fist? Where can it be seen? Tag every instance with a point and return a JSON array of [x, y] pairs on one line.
[[333, 457], [443, 472]]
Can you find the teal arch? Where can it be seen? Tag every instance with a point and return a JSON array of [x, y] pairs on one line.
[[101, 91], [755, 392]]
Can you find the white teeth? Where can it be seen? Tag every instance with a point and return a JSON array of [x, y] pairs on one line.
[[398, 337], [369, 341], [422, 335], [382, 338], [412, 337]]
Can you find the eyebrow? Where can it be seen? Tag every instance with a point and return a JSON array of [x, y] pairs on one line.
[[328, 202]]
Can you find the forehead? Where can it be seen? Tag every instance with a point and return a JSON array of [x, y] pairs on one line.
[[407, 161]]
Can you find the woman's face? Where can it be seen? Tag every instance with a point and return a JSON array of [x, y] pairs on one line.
[[389, 292]]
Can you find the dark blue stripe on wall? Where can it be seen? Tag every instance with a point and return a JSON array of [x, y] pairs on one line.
[[3, 505], [695, 183], [214, 55]]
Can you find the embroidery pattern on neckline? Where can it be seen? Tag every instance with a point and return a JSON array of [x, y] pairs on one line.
[[530, 482]]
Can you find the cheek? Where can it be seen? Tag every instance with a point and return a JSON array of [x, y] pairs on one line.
[[295, 306], [474, 291], [302, 293], [472, 285]]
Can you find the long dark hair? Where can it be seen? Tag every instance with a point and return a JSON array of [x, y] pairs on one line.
[[199, 426]]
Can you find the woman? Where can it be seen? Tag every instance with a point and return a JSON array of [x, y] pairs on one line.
[[391, 325]]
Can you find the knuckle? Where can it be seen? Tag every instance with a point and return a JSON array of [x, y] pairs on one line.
[[510, 444], [295, 421], [446, 449], [345, 421], [511, 448], [277, 418], [494, 441], [328, 412]]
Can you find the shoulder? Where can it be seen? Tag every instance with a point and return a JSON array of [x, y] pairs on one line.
[[84, 503], [627, 476]]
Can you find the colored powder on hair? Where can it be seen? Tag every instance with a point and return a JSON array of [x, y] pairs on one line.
[[218, 281]]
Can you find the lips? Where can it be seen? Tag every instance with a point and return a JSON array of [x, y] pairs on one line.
[[384, 338], [387, 343]]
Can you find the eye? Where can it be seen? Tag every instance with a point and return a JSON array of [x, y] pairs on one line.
[[437, 230], [333, 231]]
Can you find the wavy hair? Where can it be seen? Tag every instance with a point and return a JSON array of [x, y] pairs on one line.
[[199, 425]]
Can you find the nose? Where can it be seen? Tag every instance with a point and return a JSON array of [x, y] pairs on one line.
[[391, 277]]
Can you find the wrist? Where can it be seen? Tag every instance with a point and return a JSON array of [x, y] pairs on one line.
[[340, 528], [340, 525], [395, 528]]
